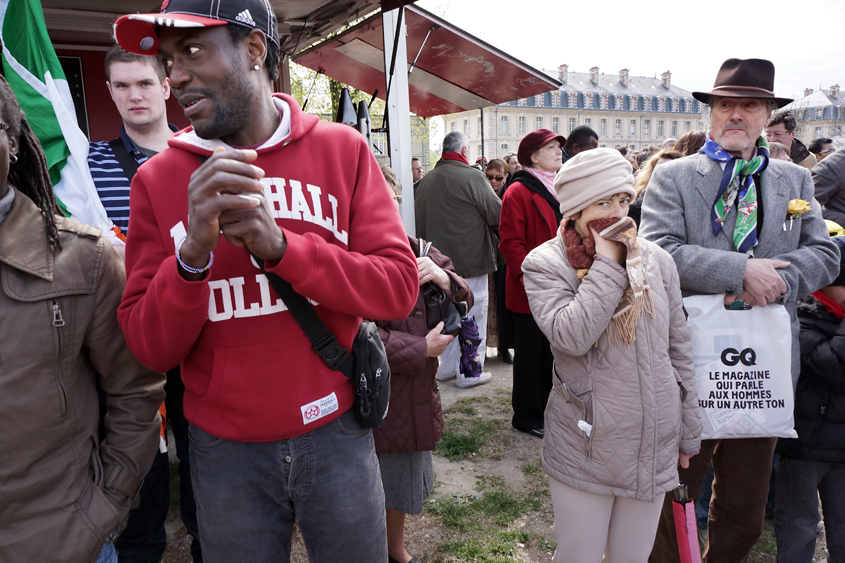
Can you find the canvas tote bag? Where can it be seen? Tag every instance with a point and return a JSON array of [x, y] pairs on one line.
[[743, 362]]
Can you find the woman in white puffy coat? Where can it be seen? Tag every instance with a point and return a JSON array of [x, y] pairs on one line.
[[623, 412]]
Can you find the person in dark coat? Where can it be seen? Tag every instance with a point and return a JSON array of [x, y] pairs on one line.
[[582, 138], [812, 466], [829, 180], [456, 210], [513, 166], [496, 174], [530, 217], [414, 421]]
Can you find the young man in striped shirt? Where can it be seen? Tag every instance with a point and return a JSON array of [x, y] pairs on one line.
[[139, 88]]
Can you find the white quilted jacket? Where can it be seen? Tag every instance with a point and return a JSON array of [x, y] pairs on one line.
[[632, 397]]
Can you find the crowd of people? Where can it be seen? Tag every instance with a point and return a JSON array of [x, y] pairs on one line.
[[577, 258], [598, 247]]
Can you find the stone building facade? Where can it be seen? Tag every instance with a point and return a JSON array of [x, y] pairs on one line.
[[630, 111], [820, 113]]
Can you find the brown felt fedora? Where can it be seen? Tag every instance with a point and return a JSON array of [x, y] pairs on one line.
[[744, 78]]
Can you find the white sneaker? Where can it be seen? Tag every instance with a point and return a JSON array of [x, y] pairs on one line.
[[445, 376], [464, 382]]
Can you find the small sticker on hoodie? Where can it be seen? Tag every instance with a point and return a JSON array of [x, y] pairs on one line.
[[319, 408]]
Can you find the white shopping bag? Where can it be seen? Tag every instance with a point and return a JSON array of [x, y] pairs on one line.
[[742, 368]]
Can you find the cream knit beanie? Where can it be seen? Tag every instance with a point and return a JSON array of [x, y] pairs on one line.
[[590, 176]]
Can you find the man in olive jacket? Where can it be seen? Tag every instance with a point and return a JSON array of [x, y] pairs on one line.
[[457, 210]]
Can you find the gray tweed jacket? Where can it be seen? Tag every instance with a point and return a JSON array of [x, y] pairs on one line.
[[676, 215]]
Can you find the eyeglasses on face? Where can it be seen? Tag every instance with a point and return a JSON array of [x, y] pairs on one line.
[[398, 199], [828, 151], [770, 134], [497, 178], [4, 125]]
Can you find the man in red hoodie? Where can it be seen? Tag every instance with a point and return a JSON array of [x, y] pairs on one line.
[[272, 435]]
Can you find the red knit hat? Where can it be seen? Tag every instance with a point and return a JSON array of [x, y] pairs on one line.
[[533, 141]]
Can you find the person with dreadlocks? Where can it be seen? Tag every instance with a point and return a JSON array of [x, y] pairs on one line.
[[63, 491]]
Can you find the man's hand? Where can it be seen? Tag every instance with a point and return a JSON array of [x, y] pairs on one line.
[[435, 342], [616, 251], [255, 229], [429, 271], [226, 191], [761, 281]]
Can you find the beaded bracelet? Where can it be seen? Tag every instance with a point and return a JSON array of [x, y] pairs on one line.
[[189, 269]]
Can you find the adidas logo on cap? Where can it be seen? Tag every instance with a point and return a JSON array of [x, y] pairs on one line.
[[245, 17]]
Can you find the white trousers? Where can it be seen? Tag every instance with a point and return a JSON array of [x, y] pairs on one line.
[[588, 526], [450, 359]]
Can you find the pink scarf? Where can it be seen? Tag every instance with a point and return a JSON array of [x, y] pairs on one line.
[[547, 178]]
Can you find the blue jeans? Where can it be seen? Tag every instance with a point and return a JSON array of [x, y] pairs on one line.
[[770, 504], [144, 538], [107, 554], [702, 505], [249, 494], [800, 484]]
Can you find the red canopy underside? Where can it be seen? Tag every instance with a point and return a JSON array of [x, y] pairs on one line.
[[455, 71]]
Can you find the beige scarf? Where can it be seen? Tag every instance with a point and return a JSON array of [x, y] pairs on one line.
[[636, 299]]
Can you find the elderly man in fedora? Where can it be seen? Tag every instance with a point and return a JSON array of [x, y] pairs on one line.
[[722, 214]]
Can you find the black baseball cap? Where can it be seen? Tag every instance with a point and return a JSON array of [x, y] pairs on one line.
[[138, 33]]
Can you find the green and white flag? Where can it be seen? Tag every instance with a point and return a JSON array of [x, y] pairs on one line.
[[33, 71]]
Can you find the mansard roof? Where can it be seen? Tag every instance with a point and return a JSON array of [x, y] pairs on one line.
[[608, 93], [819, 98], [818, 106], [611, 84]]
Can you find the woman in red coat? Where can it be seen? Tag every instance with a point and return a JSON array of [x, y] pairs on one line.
[[414, 421], [530, 217]]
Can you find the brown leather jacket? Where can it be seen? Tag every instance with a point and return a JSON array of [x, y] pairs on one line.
[[62, 492], [414, 421]]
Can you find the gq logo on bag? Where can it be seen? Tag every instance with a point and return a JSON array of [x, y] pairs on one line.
[[731, 357], [742, 361]]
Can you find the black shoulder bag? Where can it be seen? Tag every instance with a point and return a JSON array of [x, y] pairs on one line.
[[366, 366], [127, 161]]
